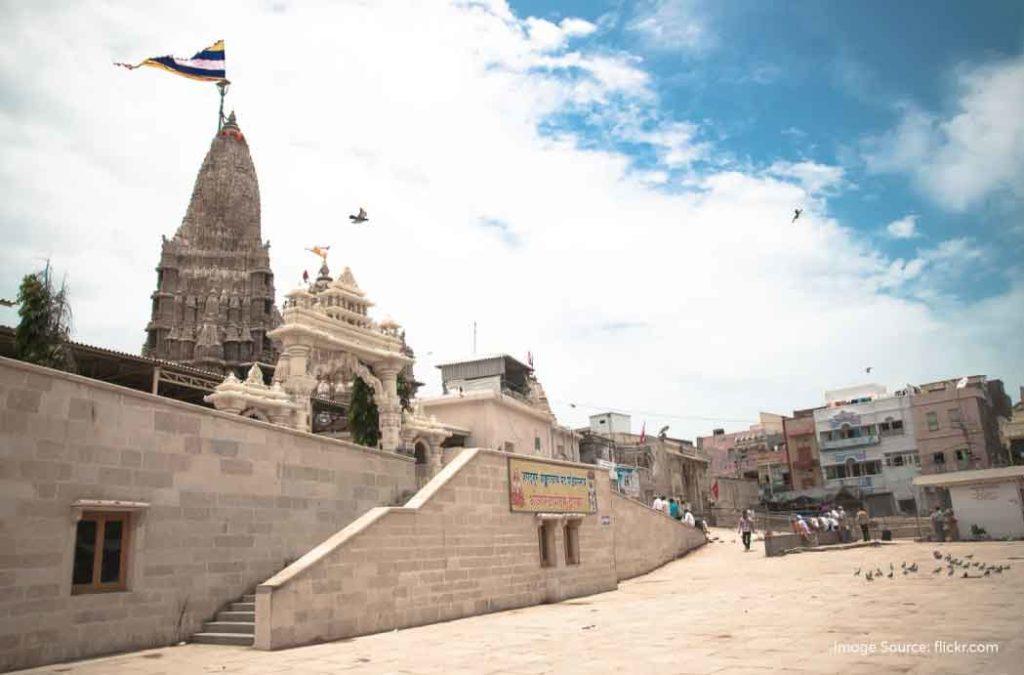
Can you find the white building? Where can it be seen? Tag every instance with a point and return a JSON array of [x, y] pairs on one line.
[[986, 502], [867, 444]]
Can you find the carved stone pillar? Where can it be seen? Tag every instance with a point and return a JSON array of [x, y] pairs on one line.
[[389, 408], [300, 384]]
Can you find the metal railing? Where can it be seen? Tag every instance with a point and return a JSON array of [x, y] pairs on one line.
[[843, 443]]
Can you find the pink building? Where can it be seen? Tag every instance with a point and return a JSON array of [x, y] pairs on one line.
[[957, 424]]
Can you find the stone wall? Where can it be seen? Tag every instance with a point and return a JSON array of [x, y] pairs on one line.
[[646, 539], [231, 502], [455, 550]]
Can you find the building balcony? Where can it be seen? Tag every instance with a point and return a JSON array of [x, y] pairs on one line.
[[847, 443]]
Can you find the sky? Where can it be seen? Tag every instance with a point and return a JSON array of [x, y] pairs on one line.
[[609, 186]]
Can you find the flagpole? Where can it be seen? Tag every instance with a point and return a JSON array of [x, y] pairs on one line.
[[222, 86]]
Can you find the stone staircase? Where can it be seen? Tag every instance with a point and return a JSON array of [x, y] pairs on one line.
[[233, 625]]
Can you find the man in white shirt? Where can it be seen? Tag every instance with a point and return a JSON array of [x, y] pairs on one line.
[[658, 505], [688, 519]]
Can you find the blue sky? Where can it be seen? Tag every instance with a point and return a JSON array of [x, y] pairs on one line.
[[606, 185], [811, 81]]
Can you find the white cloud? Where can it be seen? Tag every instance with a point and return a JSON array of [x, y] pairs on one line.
[[814, 177], [547, 242], [675, 143], [903, 228], [673, 25], [961, 158]]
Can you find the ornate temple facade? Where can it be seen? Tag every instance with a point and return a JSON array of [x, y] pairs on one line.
[[214, 302], [328, 339]]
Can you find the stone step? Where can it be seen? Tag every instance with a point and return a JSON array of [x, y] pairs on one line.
[[250, 597], [236, 616], [242, 607], [247, 627], [239, 639]]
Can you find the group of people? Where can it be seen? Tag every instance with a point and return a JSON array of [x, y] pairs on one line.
[[677, 509], [832, 519], [944, 524]]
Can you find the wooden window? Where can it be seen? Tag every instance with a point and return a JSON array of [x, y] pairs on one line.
[[572, 543], [101, 552], [933, 421]]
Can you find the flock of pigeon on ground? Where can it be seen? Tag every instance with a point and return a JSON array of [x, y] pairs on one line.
[[966, 563]]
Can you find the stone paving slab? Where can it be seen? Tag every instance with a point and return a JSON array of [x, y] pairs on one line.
[[718, 610]]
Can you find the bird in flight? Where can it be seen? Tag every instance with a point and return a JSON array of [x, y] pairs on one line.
[[796, 214], [868, 369], [7, 303], [360, 218]]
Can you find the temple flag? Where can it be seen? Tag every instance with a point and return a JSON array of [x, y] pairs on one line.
[[207, 65], [714, 490], [643, 433]]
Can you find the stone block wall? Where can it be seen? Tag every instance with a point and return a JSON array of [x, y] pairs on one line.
[[646, 539], [231, 502], [455, 550]]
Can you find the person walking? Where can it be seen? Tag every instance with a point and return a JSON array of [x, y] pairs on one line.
[[863, 520], [937, 519], [746, 529]]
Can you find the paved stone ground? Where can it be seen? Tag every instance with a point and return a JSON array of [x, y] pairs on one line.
[[717, 610]]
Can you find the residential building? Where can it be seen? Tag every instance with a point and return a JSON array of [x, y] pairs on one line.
[[759, 453], [1012, 431], [868, 448], [501, 404], [645, 465], [957, 424], [802, 450]]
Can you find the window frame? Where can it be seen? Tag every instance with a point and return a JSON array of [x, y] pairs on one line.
[[932, 420], [571, 534], [101, 518], [546, 542]]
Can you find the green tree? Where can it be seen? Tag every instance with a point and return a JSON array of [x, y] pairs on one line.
[[405, 392], [45, 327], [363, 417]]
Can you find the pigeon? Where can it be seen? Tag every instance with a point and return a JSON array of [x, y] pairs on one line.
[[988, 572], [969, 556], [868, 370], [890, 574], [936, 570], [913, 568], [950, 572], [937, 555], [857, 573], [905, 572], [360, 217], [869, 576], [892, 567], [903, 565], [796, 214]]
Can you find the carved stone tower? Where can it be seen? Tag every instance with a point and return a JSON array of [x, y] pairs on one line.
[[214, 302]]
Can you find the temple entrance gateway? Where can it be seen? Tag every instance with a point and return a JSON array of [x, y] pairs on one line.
[[327, 339]]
